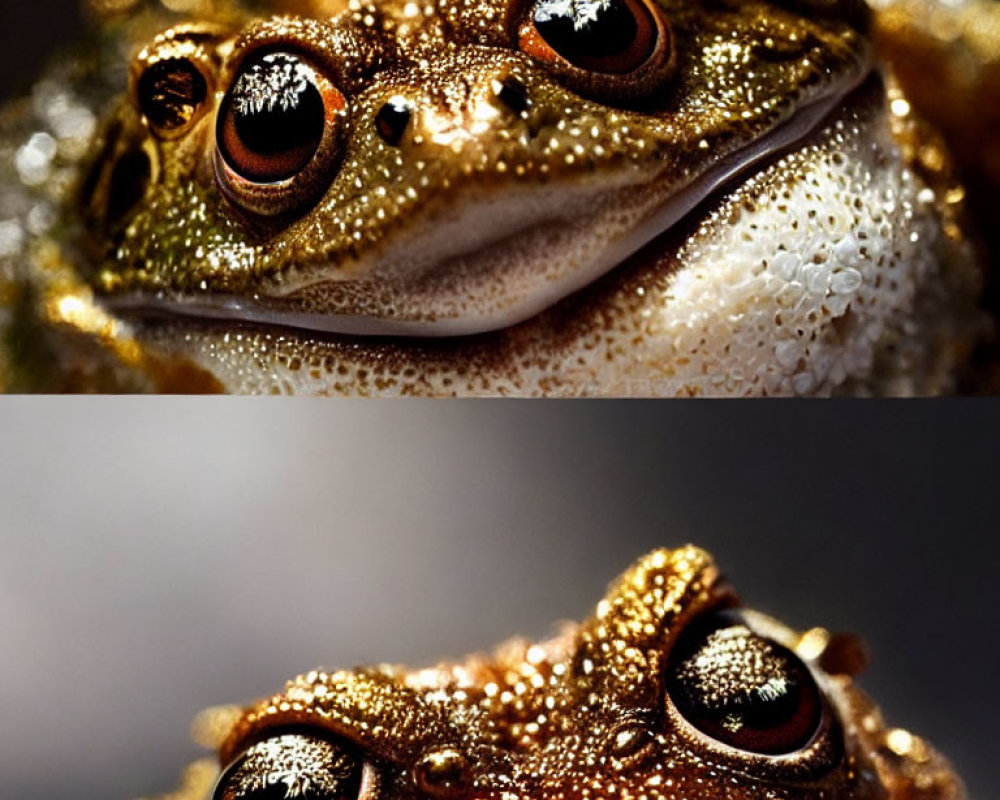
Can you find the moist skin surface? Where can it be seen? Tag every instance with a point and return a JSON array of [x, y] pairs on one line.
[[745, 205], [669, 690]]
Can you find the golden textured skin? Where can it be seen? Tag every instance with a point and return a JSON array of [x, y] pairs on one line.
[[587, 243], [753, 63], [584, 715]]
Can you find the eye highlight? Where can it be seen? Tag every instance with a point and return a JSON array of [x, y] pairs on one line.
[[277, 132], [292, 765], [743, 690]]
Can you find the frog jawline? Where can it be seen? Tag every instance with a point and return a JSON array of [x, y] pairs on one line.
[[740, 164]]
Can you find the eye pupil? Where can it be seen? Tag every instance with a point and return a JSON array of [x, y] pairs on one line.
[[744, 690], [272, 121]]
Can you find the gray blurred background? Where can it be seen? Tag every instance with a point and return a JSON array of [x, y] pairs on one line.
[[159, 556]]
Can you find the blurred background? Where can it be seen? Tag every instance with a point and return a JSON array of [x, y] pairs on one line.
[[30, 32], [159, 556]]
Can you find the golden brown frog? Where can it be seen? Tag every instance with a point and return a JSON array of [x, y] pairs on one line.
[[500, 196], [670, 690]]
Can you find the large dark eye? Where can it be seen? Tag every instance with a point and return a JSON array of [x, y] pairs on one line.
[[292, 765], [610, 49], [598, 35], [277, 125], [743, 690]]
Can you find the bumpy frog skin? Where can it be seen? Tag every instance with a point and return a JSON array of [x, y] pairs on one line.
[[744, 209], [669, 691]]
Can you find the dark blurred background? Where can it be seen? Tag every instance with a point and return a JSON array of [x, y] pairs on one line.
[[30, 32], [160, 556]]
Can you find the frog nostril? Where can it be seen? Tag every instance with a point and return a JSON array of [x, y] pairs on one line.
[[392, 119], [512, 93]]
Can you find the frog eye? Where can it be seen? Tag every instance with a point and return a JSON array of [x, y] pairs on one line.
[[624, 41], [743, 690], [292, 765], [276, 134], [171, 95]]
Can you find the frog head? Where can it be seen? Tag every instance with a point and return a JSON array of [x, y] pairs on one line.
[[441, 169], [670, 690]]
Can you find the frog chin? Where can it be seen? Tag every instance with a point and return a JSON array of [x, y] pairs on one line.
[[489, 263]]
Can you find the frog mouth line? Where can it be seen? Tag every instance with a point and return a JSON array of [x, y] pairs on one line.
[[735, 169]]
